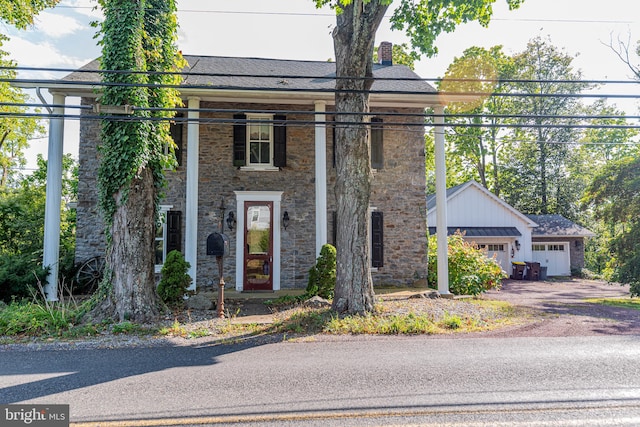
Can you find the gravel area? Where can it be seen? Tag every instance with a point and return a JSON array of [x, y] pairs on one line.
[[559, 308]]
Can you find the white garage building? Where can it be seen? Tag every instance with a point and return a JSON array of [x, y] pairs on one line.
[[509, 235]]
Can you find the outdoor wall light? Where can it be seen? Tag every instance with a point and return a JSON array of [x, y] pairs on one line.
[[231, 220], [517, 245], [285, 220]]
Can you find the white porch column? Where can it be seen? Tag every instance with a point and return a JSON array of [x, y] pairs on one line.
[[191, 203], [441, 203], [321, 175], [51, 255]]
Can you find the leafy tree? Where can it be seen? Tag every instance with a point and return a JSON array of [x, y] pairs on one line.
[[22, 230], [615, 197], [475, 146], [356, 24], [536, 174], [20, 13], [15, 131], [140, 37]]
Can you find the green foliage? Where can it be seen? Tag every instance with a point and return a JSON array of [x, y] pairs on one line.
[[20, 13], [40, 318], [137, 36], [471, 272], [22, 230], [424, 20], [19, 274], [126, 328], [15, 132], [614, 195], [322, 276], [175, 280]]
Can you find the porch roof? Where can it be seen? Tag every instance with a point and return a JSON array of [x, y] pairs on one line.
[[482, 231]]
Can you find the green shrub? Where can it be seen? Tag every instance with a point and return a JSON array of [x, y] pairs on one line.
[[471, 272], [322, 276], [36, 318], [175, 280], [19, 275]]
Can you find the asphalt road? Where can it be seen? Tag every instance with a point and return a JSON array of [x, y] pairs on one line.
[[363, 381]]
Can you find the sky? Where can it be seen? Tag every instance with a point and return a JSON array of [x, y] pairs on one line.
[[62, 37]]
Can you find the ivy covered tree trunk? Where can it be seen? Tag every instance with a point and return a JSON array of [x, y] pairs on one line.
[[353, 43], [137, 36]]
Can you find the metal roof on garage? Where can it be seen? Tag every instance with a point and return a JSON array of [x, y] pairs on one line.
[[482, 231]]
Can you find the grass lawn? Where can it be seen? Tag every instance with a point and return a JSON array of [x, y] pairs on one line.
[[633, 303]]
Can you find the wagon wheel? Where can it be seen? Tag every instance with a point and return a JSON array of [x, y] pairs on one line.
[[89, 274]]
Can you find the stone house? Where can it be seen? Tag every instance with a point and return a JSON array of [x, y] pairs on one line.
[[257, 162]]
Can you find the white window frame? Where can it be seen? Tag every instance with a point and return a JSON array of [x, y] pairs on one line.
[[163, 224], [253, 119]]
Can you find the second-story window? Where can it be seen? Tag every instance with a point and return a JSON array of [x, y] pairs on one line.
[[259, 141]]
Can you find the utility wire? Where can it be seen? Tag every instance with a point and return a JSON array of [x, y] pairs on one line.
[[310, 123], [180, 110], [323, 14], [190, 73]]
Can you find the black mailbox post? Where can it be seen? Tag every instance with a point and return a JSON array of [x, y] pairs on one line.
[[218, 246]]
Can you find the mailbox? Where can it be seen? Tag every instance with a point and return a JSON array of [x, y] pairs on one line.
[[217, 244]]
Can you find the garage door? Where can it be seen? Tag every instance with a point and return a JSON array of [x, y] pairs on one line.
[[553, 255], [499, 251]]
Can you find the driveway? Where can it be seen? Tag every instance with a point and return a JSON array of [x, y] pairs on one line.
[[559, 308]]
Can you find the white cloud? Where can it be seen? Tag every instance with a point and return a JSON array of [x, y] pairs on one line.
[[84, 7], [29, 54], [56, 25]]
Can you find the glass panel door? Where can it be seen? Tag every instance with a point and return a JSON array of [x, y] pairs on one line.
[[258, 256]]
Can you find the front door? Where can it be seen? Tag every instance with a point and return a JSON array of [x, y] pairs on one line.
[[258, 251]]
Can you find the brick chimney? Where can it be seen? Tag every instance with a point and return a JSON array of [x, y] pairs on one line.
[[385, 53]]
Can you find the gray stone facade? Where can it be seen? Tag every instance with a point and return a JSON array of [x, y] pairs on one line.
[[398, 192]]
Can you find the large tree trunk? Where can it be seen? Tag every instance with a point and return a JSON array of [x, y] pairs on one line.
[[353, 43], [130, 257]]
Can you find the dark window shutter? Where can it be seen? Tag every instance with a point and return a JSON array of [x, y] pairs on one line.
[[334, 218], [176, 128], [279, 141], [174, 231], [377, 160], [239, 140], [377, 244], [333, 139]]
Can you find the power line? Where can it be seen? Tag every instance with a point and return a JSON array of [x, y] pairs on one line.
[[180, 110], [311, 123], [324, 15], [190, 73]]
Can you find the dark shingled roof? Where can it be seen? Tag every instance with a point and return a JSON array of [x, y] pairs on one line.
[[557, 225], [276, 74], [481, 231]]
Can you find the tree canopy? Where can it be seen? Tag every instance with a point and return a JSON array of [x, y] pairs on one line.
[[21, 13]]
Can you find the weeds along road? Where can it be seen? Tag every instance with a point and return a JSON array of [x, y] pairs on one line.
[[591, 380]]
